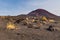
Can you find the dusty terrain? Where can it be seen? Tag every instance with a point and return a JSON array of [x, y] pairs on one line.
[[28, 32]]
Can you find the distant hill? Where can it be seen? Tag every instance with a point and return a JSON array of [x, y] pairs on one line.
[[42, 12]]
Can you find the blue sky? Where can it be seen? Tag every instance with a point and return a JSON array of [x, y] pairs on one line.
[[16, 7]]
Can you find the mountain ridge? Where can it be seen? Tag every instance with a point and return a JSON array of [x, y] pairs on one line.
[[42, 12]]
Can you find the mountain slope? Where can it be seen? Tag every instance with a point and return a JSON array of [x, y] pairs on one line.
[[42, 12]]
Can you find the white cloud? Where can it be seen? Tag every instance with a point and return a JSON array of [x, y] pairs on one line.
[[50, 5], [25, 7]]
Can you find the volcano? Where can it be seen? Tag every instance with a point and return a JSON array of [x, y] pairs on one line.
[[42, 12]]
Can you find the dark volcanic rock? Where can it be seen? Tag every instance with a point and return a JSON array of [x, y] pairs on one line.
[[42, 12]]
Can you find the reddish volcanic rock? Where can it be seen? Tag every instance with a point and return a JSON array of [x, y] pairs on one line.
[[42, 12]]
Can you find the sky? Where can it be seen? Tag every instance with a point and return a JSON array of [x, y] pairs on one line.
[[17, 7]]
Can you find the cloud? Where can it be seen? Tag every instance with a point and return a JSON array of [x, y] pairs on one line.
[[50, 5], [25, 6]]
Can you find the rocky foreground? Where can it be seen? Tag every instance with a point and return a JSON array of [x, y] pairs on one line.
[[24, 31]]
